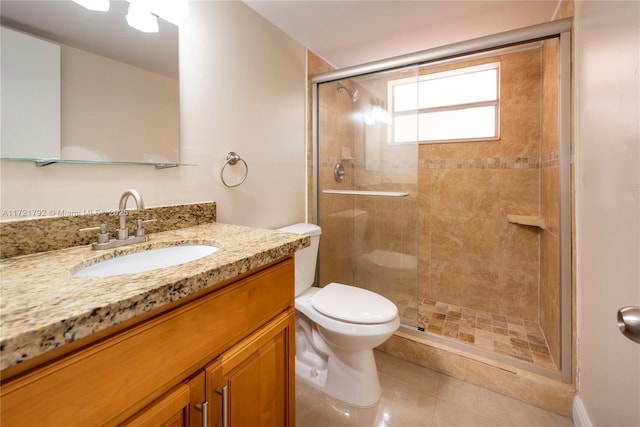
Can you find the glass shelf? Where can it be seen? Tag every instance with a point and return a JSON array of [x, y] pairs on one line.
[[41, 162]]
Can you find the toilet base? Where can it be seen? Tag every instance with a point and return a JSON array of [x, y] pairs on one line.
[[349, 377], [312, 376]]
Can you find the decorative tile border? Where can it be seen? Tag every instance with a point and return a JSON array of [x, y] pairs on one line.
[[326, 162], [481, 163], [28, 236], [550, 160], [547, 160]]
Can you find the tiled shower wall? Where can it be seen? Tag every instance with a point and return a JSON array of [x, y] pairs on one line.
[[336, 212], [470, 254], [549, 201], [455, 219]]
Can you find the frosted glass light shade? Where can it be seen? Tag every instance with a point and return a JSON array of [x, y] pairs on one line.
[[97, 5], [140, 18]]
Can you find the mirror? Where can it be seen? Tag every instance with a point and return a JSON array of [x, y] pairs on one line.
[[119, 90]]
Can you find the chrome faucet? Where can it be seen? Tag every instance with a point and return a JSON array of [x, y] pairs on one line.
[[123, 232]]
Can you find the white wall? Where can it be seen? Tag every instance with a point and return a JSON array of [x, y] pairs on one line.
[[30, 107], [114, 110], [607, 111], [242, 89]]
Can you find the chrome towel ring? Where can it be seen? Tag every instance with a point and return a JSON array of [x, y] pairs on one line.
[[232, 159]]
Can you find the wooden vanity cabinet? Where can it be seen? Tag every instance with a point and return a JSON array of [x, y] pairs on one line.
[[162, 371], [250, 385]]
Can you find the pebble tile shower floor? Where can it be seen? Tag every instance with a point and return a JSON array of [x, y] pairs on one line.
[[505, 335]]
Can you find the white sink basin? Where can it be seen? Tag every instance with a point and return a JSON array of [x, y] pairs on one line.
[[150, 259]]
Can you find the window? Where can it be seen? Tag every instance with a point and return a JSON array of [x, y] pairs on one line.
[[454, 105]]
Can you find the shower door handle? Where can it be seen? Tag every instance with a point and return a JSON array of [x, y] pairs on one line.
[[629, 323]]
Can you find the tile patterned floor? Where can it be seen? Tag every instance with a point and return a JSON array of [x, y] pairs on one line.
[[413, 396], [505, 335]]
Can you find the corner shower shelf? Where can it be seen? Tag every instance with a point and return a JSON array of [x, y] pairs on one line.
[[532, 220]]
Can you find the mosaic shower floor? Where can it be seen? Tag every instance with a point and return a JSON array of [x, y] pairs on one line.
[[504, 335]]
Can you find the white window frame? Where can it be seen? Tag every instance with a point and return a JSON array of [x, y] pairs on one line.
[[454, 107]]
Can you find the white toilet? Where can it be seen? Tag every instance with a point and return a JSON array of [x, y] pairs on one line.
[[337, 327]]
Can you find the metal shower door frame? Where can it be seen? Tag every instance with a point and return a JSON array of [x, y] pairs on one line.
[[560, 29]]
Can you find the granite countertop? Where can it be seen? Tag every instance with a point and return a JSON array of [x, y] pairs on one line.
[[44, 306]]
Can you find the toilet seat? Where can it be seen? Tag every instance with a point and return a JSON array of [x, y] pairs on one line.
[[353, 305], [304, 306]]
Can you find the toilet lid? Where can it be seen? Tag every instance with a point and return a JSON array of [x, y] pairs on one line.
[[354, 305]]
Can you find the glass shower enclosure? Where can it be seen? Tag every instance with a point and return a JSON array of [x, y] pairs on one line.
[[444, 186], [368, 201]]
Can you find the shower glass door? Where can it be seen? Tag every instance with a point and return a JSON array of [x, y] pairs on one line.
[[367, 190], [446, 187]]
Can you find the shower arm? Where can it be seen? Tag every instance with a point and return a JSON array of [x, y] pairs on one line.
[[353, 94]]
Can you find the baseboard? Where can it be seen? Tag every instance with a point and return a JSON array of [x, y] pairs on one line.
[[580, 416]]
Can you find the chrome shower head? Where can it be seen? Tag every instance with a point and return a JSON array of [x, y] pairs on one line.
[[354, 94]]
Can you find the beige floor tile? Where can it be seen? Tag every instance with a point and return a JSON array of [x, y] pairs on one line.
[[413, 396], [422, 379], [456, 391], [314, 409], [402, 405], [449, 414], [499, 409]]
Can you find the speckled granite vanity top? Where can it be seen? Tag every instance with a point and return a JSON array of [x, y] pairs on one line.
[[44, 306]]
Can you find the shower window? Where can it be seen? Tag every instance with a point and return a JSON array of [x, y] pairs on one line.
[[454, 105]]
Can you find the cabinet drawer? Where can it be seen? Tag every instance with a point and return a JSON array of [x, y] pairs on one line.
[[109, 381]]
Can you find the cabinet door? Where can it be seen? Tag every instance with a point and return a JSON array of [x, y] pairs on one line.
[[253, 384], [181, 407], [171, 410]]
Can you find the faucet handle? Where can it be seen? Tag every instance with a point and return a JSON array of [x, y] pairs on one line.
[[140, 226], [103, 235]]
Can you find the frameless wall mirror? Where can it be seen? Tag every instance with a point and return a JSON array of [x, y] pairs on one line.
[[118, 91]]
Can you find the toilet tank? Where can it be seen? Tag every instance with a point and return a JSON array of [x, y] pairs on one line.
[[305, 259]]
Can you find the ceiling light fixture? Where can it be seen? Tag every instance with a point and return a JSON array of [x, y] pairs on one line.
[[97, 5], [141, 18], [174, 11]]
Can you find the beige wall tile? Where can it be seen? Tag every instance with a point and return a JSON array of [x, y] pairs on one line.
[[482, 290], [446, 281], [482, 196], [520, 247], [550, 291], [448, 191], [550, 199], [447, 234], [482, 240], [519, 191], [519, 294]]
